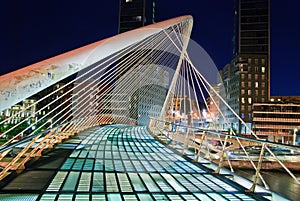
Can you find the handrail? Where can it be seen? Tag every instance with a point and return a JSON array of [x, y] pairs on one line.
[[266, 145]]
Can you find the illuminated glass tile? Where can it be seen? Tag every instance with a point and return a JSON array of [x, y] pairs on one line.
[[136, 182], [150, 184], [47, 197], [216, 196], [65, 197], [124, 182], [203, 197], [68, 164], [71, 181], [88, 165], [100, 197], [98, 182], [82, 197], [130, 197], [145, 197], [173, 182], [114, 197], [111, 182], [84, 182], [161, 183], [57, 181], [98, 166]]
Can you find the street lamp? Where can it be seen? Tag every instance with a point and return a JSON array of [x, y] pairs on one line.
[[294, 136]]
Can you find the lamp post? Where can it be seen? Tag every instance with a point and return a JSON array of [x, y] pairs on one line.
[[294, 136]]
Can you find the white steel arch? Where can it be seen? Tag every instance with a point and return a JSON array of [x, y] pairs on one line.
[[25, 82]]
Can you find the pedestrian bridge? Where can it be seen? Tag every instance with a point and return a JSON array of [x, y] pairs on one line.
[[124, 119], [121, 162]]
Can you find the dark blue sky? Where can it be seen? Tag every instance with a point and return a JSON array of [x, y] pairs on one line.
[[35, 30]]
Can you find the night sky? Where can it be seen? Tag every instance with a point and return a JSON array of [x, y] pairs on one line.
[[35, 30]]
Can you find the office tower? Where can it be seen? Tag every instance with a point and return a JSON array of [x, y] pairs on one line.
[[247, 79], [135, 14]]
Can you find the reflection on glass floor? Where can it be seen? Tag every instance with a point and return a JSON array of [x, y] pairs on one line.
[[126, 163]]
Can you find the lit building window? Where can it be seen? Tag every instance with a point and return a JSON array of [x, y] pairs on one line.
[[243, 84], [256, 84], [249, 92], [128, 1], [249, 84], [242, 91], [249, 108], [263, 69], [250, 100], [243, 100]]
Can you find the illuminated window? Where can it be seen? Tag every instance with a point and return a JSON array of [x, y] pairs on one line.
[[250, 100], [249, 84], [243, 84], [249, 92], [128, 1], [256, 84], [263, 69], [249, 108], [243, 100], [242, 91]]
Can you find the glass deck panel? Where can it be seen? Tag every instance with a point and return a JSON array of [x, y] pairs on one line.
[[71, 181], [84, 182], [136, 182], [111, 182], [57, 181], [124, 183], [145, 197], [150, 184], [98, 182]]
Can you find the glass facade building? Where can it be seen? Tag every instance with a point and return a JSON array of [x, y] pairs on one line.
[[247, 77]]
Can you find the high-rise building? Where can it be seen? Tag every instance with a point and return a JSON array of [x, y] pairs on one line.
[[135, 14], [248, 74]]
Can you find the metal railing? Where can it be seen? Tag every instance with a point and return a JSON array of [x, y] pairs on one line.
[[229, 150]]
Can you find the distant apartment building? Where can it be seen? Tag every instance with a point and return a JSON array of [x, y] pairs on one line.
[[247, 77], [278, 120], [20, 111]]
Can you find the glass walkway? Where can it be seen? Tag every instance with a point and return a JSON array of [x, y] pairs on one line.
[[119, 162]]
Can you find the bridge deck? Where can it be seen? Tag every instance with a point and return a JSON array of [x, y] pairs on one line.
[[119, 162]]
